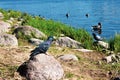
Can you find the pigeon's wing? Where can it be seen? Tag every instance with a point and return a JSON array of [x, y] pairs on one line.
[[35, 51], [42, 48]]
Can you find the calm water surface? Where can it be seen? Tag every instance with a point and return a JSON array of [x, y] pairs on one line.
[[105, 11]]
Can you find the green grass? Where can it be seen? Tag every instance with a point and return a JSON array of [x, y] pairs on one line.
[[115, 43], [69, 75]]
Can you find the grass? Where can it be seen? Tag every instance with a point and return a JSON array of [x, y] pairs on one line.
[[115, 43]]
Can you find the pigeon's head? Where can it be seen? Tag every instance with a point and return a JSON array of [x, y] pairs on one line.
[[50, 38]]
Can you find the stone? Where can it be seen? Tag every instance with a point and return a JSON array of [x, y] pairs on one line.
[[28, 31], [68, 57], [84, 50], [8, 40], [4, 27], [68, 42], [35, 41], [112, 58], [103, 44], [41, 67], [109, 58]]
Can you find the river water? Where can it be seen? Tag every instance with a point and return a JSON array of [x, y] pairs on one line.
[[105, 11]]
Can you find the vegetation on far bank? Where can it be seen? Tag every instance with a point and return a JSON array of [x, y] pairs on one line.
[[51, 27]]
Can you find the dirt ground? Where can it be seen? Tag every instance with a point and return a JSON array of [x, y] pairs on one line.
[[89, 66]]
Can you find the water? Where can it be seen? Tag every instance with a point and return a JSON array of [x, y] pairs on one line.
[[105, 11]]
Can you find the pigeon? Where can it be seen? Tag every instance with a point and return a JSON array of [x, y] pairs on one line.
[[97, 27], [97, 37], [43, 47]]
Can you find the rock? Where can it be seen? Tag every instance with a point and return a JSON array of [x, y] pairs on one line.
[[116, 78], [4, 27], [84, 50], [8, 40], [103, 44], [1, 16], [41, 67], [35, 41], [29, 32], [109, 58], [68, 42], [1, 78], [68, 57], [112, 58]]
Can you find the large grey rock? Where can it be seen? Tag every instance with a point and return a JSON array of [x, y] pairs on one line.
[[68, 57], [1, 16], [41, 67], [4, 27], [8, 40], [68, 42], [28, 31]]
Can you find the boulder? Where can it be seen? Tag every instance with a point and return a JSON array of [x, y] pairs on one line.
[[29, 32], [4, 27], [103, 44], [84, 50], [35, 41], [68, 57], [1, 16], [68, 42], [8, 40], [116, 78], [41, 67], [112, 58]]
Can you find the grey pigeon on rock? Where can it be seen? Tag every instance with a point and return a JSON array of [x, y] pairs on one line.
[[43, 47]]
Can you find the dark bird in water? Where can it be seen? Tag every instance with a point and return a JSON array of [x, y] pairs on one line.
[[97, 27], [97, 37], [43, 47], [87, 15], [67, 15]]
